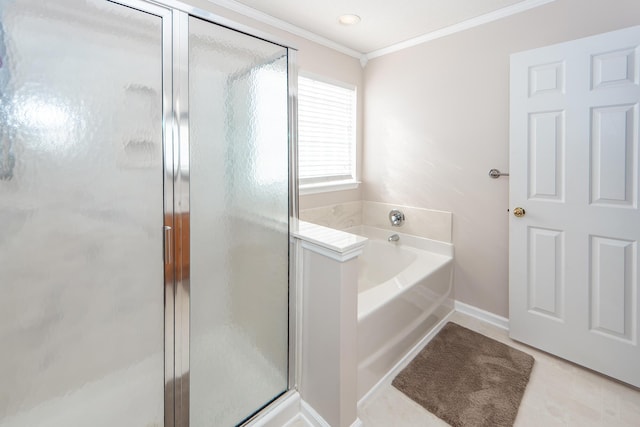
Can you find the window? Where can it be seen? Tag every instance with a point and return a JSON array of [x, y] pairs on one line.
[[326, 135]]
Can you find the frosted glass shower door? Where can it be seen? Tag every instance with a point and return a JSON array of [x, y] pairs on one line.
[[81, 215], [239, 210]]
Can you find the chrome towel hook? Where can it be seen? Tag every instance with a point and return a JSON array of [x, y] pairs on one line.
[[495, 174]]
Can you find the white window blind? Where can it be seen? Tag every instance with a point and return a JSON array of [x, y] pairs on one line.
[[326, 132]]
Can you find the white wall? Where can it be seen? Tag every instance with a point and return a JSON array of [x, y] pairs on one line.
[[437, 119]]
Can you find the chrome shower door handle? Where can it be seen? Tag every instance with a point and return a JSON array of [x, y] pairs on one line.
[[167, 244]]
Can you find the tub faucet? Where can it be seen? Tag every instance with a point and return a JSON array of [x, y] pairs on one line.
[[393, 238]]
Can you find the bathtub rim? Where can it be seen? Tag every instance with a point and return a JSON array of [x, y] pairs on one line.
[[429, 245]]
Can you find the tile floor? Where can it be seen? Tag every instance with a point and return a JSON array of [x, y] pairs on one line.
[[559, 394]]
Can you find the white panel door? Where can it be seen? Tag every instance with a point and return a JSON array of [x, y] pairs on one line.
[[573, 268]]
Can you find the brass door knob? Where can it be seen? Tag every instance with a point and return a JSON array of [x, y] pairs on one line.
[[519, 212]]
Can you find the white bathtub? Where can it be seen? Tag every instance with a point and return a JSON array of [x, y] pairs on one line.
[[404, 290]]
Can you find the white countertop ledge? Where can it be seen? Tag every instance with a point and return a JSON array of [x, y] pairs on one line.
[[341, 243]]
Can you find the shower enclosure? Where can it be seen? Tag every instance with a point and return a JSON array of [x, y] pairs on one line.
[[145, 200]]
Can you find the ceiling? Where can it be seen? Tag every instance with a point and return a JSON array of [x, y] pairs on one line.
[[384, 23]]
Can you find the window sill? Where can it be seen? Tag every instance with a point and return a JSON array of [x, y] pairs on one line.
[[326, 187]]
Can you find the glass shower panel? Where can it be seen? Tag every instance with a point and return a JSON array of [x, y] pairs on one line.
[[81, 215], [239, 224]]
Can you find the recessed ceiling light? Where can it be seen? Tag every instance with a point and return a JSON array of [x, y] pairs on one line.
[[349, 19]]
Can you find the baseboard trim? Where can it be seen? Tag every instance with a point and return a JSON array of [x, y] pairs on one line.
[[480, 314], [280, 413], [310, 415], [312, 418]]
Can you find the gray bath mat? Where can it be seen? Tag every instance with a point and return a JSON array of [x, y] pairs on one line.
[[467, 379]]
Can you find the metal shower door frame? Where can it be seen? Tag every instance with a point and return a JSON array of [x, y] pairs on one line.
[[169, 147], [175, 100]]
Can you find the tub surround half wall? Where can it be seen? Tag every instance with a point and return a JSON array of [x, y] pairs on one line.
[[328, 262], [428, 223], [330, 242]]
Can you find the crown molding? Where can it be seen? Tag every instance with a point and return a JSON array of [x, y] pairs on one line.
[[285, 26], [364, 57], [462, 26]]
